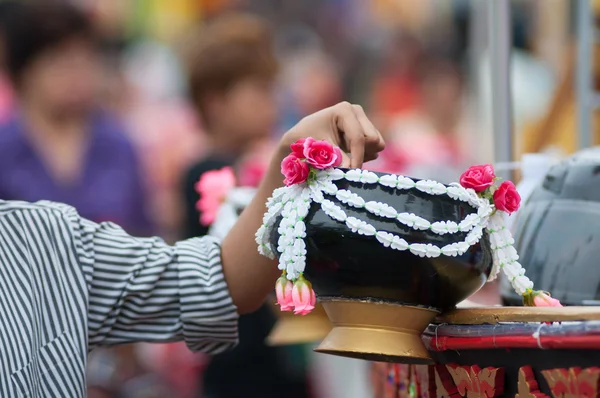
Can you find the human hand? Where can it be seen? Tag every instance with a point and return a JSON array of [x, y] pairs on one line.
[[344, 125], [251, 276]]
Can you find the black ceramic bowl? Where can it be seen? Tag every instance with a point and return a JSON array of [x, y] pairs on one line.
[[346, 265]]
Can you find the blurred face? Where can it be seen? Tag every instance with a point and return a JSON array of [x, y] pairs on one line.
[[247, 110], [64, 79]]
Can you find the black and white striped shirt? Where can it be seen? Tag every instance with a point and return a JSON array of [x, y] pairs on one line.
[[68, 285]]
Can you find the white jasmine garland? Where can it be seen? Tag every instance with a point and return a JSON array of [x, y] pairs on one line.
[[350, 198], [293, 203], [390, 181], [431, 187], [405, 183]]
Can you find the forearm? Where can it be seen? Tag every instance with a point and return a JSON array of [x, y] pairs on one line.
[[249, 275]]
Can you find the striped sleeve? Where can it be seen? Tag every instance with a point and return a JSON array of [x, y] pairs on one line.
[[141, 289]]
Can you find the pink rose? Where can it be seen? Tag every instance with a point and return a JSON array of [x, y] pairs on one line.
[[213, 188], [478, 177], [506, 197], [544, 300], [295, 170], [283, 291], [303, 297], [298, 148], [321, 154]]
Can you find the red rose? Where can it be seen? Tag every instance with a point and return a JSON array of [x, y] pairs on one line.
[[506, 197], [321, 154], [295, 170], [298, 148], [478, 177]]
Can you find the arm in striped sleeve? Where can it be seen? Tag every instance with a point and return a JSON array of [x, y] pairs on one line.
[[141, 289]]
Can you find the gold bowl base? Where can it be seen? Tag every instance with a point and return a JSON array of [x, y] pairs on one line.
[[298, 329], [377, 331]]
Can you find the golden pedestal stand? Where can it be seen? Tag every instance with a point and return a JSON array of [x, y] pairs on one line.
[[299, 329], [377, 331]]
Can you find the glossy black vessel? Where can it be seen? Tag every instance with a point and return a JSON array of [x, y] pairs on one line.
[[557, 232], [343, 264]]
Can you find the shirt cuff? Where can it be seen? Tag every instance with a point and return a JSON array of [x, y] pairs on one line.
[[208, 316]]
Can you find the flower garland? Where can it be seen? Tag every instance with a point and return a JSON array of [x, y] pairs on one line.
[[310, 171]]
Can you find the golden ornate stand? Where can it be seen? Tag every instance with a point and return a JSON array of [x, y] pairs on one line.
[[377, 331]]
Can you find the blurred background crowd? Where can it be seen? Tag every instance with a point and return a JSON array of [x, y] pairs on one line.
[[119, 106]]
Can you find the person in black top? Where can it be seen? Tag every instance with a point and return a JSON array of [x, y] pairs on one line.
[[232, 71]]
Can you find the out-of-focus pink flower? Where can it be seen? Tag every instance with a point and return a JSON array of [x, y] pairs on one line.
[[303, 297], [251, 173], [283, 290], [213, 188], [543, 299]]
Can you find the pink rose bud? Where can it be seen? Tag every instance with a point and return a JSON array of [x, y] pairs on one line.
[[321, 154], [295, 170], [478, 178], [303, 296], [506, 197], [543, 299], [283, 291]]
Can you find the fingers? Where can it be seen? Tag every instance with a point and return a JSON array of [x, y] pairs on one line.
[[374, 142], [353, 133], [345, 160]]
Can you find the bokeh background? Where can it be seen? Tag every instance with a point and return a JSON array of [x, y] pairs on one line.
[[420, 68]]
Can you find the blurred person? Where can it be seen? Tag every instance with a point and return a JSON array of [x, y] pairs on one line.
[[232, 72], [59, 144]]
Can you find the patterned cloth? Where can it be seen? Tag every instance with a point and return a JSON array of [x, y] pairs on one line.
[[70, 285]]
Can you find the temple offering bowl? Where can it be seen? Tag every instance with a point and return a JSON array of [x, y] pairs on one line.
[[379, 299]]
